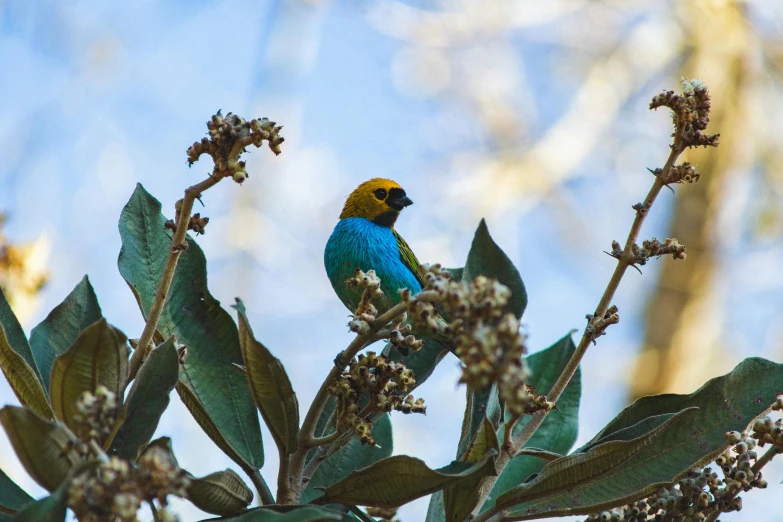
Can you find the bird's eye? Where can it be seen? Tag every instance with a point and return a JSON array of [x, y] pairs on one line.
[[380, 194]]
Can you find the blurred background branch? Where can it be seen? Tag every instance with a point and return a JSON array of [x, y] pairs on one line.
[[23, 271]]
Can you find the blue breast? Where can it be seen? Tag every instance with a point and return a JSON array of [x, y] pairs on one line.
[[360, 243]]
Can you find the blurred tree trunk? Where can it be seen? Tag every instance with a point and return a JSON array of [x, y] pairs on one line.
[[682, 343]]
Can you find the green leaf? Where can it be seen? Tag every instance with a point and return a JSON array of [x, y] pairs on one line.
[[436, 511], [98, 356], [352, 457], [479, 405], [147, 400], [270, 386], [397, 480], [287, 514], [225, 405], [55, 334], [15, 335], [486, 258], [558, 431], [22, 379], [727, 403], [49, 509], [631, 432], [11, 495], [43, 448], [460, 500], [219, 493], [485, 440], [191, 402], [572, 473]]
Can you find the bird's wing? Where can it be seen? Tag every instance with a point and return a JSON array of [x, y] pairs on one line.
[[409, 258]]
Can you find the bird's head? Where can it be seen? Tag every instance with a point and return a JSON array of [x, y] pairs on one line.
[[378, 200]]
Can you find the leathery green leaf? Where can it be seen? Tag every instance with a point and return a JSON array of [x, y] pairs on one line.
[[98, 357], [479, 406], [271, 388], [573, 471], [485, 440], [460, 500], [727, 403], [147, 400], [486, 258], [397, 480], [12, 497], [15, 335], [287, 514], [219, 493], [352, 457], [196, 408], [55, 334], [48, 509], [196, 318], [43, 447], [22, 379]]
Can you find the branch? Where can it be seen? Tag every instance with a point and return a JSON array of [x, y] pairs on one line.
[[228, 138], [509, 450], [764, 460], [306, 439], [283, 476], [264, 495]]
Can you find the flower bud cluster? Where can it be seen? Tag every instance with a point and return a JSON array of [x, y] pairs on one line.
[[690, 112], [597, 327], [159, 475], [372, 383], [107, 493], [486, 339], [228, 137], [365, 313], [767, 431], [701, 492], [114, 490], [683, 173], [94, 414], [650, 248], [400, 336], [197, 223]]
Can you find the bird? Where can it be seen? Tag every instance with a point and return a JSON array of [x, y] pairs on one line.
[[364, 238]]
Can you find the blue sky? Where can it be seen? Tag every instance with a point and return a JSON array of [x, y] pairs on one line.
[[97, 96]]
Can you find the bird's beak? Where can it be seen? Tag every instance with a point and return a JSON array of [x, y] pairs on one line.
[[399, 203]]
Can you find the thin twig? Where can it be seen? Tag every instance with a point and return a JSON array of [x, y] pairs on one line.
[[313, 463], [322, 441], [508, 451], [178, 244], [508, 432], [154, 510], [264, 494], [764, 460]]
